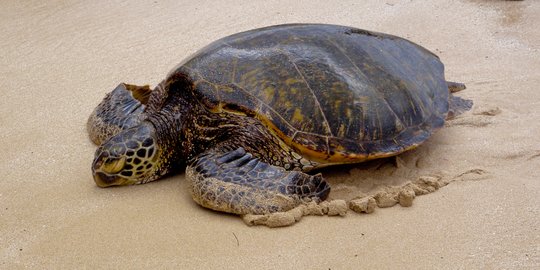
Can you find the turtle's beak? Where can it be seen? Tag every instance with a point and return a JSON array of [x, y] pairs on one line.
[[104, 180], [105, 172]]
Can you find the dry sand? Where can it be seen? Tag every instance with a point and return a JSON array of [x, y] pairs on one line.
[[60, 58]]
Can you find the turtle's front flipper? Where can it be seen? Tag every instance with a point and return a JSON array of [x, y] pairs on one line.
[[236, 182], [120, 109]]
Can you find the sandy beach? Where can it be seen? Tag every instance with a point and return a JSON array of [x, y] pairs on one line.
[[59, 59]]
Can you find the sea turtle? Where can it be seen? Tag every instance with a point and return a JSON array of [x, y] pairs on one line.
[[250, 114]]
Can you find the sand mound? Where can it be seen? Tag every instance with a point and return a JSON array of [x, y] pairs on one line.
[[377, 184]]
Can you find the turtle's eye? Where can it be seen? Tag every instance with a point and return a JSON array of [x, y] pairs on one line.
[[113, 165]]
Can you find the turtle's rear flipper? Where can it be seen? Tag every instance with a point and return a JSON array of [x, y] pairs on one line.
[[457, 106], [120, 109], [236, 182]]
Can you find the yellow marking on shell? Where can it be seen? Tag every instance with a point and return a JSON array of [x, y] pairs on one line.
[[225, 88], [269, 93], [249, 76], [309, 153], [291, 81], [320, 157], [297, 115], [348, 112], [364, 99], [341, 130], [288, 104], [283, 97], [114, 166], [324, 158], [342, 157], [288, 140], [337, 105]]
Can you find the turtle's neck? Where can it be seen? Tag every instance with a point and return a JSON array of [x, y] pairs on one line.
[[169, 133]]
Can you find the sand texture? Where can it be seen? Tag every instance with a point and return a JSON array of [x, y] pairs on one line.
[[479, 175]]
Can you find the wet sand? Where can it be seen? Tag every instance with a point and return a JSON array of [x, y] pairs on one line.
[[59, 59]]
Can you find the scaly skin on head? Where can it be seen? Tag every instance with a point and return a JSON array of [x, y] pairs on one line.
[[143, 152], [137, 155], [130, 157]]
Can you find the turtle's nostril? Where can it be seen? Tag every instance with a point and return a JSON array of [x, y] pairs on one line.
[[103, 180]]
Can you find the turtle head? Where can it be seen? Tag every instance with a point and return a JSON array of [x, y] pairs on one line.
[[133, 156]]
